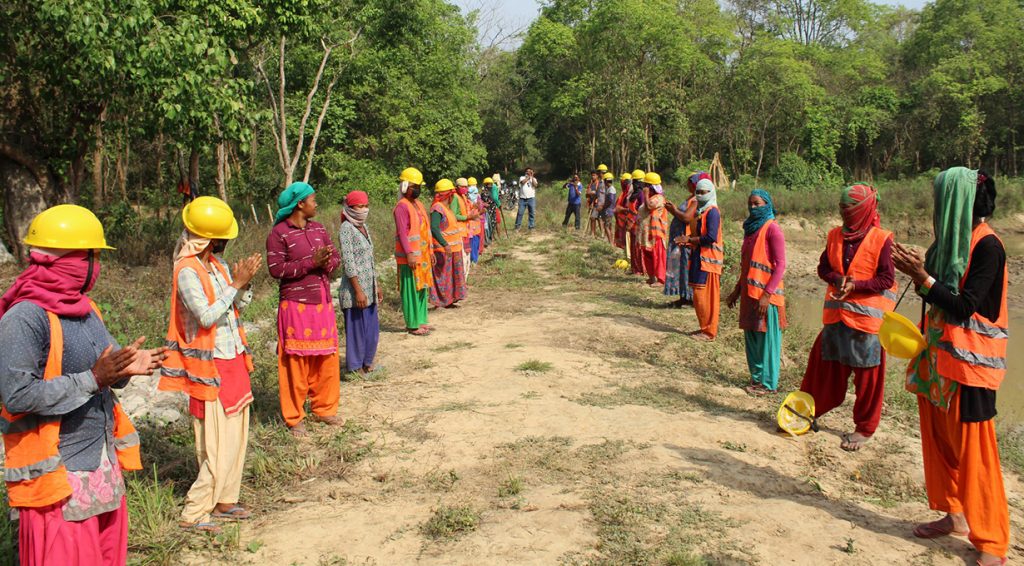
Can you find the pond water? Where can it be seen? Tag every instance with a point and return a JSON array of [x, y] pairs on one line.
[[806, 312]]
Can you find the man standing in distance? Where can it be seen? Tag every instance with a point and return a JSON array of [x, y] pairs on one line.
[[527, 197]]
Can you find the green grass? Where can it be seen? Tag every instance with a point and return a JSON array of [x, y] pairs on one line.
[[154, 537], [510, 486], [506, 274], [513, 346], [535, 366], [448, 523], [453, 346]]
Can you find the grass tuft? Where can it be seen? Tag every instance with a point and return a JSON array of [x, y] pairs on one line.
[[535, 366], [451, 522]]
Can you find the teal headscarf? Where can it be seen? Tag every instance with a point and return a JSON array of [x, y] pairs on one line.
[[290, 198], [953, 222], [758, 216]]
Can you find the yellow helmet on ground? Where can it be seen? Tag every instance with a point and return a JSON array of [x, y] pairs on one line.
[[602, 168], [609, 177], [638, 175], [444, 186], [796, 414], [210, 217], [652, 178], [900, 337], [488, 181], [461, 182], [66, 227], [472, 181], [625, 177], [411, 175]]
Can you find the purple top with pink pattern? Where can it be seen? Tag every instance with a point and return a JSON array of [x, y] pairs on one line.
[[290, 260]]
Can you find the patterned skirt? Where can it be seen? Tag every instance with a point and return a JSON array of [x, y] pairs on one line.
[[449, 279]]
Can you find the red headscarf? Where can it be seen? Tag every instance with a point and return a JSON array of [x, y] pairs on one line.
[[56, 283], [861, 211]]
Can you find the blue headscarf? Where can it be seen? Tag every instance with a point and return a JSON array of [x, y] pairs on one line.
[[758, 216], [290, 198]]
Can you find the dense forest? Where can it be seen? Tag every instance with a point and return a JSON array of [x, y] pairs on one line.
[[115, 103]]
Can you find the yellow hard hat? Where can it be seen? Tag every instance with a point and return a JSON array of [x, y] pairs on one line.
[[66, 227], [602, 168], [625, 177], [488, 181], [652, 178], [796, 414], [210, 217], [900, 337], [638, 175], [461, 182], [444, 186], [609, 177], [411, 175], [472, 181]]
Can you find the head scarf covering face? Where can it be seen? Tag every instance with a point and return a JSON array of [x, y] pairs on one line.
[[758, 216], [696, 177], [474, 194], [56, 280], [657, 189], [706, 201], [189, 245], [953, 222], [860, 212], [290, 198]]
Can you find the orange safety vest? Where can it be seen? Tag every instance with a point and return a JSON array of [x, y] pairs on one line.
[[419, 238], [33, 470], [760, 270], [691, 206], [464, 231], [189, 366], [658, 229], [712, 258], [861, 310], [973, 351], [449, 229]]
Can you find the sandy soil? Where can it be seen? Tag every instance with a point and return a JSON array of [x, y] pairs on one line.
[[701, 463]]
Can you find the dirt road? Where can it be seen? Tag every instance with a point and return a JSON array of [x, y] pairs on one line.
[[555, 419]]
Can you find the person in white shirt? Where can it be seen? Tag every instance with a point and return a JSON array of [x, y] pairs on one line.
[[527, 198]]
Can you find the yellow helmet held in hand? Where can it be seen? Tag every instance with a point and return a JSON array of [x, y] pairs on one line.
[[625, 177], [652, 178], [66, 227], [602, 168], [488, 181], [444, 186], [796, 415], [411, 175], [210, 217], [638, 175], [472, 181], [900, 337], [609, 177]]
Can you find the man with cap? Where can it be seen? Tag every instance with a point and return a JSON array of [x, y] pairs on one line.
[[301, 257], [412, 252]]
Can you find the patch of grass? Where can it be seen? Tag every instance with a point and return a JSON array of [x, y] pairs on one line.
[[888, 485], [155, 537], [513, 345], [529, 395], [535, 366], [733, 446], [448, 523], [442, 480], [507, 274], [510, 486], [346, 445], [424, 364], [1011, 449], [453, 346], [454, 406]]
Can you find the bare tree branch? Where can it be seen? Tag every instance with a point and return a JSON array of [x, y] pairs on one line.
[[309, 107], [316, 131]]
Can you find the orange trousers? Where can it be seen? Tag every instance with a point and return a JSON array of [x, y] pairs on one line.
[[706, 303], [315, 377], [962, 473]]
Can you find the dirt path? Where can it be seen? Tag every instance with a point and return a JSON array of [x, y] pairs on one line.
[[553, 427]]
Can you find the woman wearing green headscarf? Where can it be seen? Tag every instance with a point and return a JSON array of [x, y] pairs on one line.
[[963, 278], [301, 256]]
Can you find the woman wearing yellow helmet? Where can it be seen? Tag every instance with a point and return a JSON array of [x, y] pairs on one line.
[[412, 253], [68, 439], [449, 270]]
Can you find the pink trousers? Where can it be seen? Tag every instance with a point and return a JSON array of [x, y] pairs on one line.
[[46, 538]]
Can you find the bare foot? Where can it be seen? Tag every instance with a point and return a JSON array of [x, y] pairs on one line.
[[298, 431], [948, 525], [987, 559]]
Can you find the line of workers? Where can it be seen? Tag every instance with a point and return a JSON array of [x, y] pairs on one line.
[[67, 440]]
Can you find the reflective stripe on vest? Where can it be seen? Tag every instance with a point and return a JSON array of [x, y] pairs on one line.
[[449, 228], [759, 272], [973, 351], [712, 257], [861, 310]]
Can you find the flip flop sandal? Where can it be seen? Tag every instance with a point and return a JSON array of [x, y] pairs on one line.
[[201, 527], [1002, 561], [236, 513], [418, 332], [933, 530], [852, 445]]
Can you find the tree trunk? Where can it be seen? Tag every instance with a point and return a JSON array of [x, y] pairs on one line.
[[193, 169], [99, 195], [24, 198], [121, 167], [222, 174]]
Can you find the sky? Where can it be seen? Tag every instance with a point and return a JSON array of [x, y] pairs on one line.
[[519, 13]]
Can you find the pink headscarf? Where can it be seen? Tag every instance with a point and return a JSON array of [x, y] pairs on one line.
[[56, 283]]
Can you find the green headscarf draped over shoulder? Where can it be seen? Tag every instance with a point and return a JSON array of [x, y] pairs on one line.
[[953, 222]]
